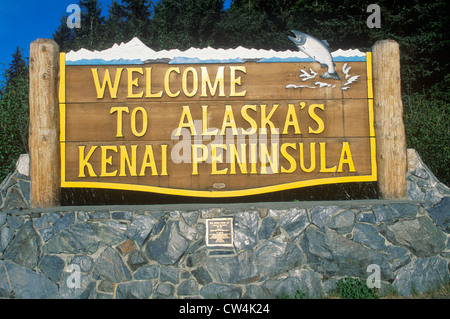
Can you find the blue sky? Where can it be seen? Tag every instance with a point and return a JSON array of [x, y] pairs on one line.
[[23, 21]]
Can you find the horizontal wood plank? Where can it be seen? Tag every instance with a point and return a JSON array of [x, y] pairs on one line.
[[113, 122], [178, 170], [267, 81]]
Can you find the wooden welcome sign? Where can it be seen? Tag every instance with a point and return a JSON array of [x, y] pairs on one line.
[[215, 129]]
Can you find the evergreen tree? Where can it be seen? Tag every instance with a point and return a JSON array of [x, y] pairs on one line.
[[14, 113], [186, 23], [137, 15], [64, 36], [17, 68], [91, 35], [115, 28]]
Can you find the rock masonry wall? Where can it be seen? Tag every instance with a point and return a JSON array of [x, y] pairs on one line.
[[279, 248]]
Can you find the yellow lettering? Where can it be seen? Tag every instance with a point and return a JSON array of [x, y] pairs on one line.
[[312, 156], [164, 160], [228, 121], [148, 88], [215, 159], [119, 110], [205, 122], [291, 120], [316, 118], [196, 159], [194, 82], [106, 81], [241, 161], [287, 156], [265, 119], [133, 82], [323, 160], [144, 121], [219, 82], [273, 160], [251, 121], [346, 158], [107, 160], [189, 124], [236, 81], [167, 81], [253, 157], [125, 160], [84, 161], [148, 161]]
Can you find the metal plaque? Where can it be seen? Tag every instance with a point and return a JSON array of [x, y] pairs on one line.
[[219, 232]]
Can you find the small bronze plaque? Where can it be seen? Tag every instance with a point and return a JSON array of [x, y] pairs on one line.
[[219, 232]]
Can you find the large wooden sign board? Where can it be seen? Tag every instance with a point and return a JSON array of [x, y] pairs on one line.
[[215, 130]]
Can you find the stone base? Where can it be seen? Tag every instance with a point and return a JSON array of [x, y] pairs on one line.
[[279, 249]]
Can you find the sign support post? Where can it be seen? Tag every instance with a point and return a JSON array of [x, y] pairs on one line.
[[44, 124], [389, 127]]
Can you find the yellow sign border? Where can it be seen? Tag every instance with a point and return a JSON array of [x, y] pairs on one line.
[[214, 194]]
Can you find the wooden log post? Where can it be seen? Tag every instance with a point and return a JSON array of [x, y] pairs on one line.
[[44, 124], [389, 127]]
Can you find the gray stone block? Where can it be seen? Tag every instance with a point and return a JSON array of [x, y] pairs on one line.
[[202, 276], [100, 215], [331, 254], [414, 192], [25, 248], [13, 200], [163, 291], [421, 275], [6, 234], [419, 235], [134, 290], [440, 213], [109, 265], [122, 215], [275, 257], [47, 233], [41, 222], [64, 221], [221, 291], [234, 269], [16, 280], [2, 218], [76, 288], [52, 266], [368, 235], [169, 274], [14, 221], [140, 228], [342, 222], [169, 246], [147, 272], [85, 262], [294, 222], [81, 238], [303, 281], [136, 259], [253, 291], [190, 217], [321, 214], [245, 226], [365, 217], [188, 288], [267, 228]]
